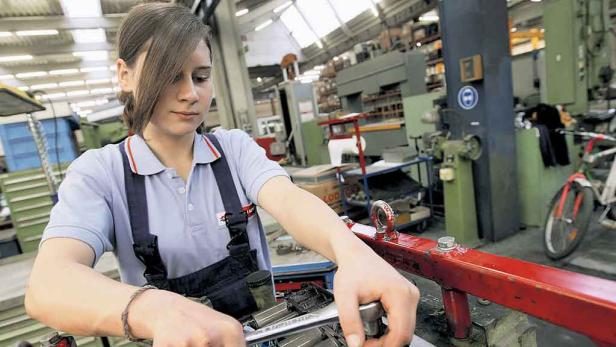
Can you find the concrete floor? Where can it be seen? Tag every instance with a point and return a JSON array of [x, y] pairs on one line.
[[595, 257]]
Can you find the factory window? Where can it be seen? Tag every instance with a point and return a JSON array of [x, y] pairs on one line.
[[348, 10], [320, 16], [300, 31]]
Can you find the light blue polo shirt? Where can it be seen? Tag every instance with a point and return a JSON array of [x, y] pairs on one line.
[[185, 216]]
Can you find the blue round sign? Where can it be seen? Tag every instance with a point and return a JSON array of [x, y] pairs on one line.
[[468, 97]]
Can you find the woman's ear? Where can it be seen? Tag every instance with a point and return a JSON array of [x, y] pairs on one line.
[[125, 76]]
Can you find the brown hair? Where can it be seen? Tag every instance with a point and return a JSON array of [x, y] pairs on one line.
[[169, 33]]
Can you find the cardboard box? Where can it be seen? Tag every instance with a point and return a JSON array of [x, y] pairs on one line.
[[329, 192]]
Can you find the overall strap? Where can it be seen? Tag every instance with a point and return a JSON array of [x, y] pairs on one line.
[[145, 244], [235, 217]]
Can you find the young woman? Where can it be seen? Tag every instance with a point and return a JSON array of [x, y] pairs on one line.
[[176, 209]]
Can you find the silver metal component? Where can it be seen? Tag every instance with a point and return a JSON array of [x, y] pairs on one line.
[[483, 302], [327, 315], [308, 338], [36, 128], [374, 328], [270, 315], [446, 243]]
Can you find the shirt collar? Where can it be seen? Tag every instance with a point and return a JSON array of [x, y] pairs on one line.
[[143, 161]]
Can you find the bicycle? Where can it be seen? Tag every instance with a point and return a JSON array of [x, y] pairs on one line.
[[572, 207]]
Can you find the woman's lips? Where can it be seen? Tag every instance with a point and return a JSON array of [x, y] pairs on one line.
[[185, 115]]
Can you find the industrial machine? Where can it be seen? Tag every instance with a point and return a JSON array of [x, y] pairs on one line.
[[545, 292], [456, 173], [578, 52], [377, 87], [305, 140], [103, 127]]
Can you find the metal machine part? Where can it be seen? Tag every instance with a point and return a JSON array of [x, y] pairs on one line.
[[308, 338], [544, 292], [36, 128], [372, 312], [383, 218], [269, 316]]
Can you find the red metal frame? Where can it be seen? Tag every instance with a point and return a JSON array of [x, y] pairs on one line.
[[578, 302]]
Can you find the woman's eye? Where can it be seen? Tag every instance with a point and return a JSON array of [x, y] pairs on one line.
[[177, 78], [202, 78]]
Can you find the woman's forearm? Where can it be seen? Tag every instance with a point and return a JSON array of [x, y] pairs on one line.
[[70, 296], [314, 224]]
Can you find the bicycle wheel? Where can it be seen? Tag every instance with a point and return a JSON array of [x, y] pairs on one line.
[[564, 230]]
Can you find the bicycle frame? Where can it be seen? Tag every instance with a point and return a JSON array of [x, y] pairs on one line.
[[605, 196]]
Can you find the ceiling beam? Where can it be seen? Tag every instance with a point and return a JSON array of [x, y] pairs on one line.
[[60, 23]]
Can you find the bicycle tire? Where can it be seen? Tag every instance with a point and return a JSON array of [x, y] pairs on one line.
[[554, 228]]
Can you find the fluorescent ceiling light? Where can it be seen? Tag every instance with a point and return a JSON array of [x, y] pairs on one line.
[[53, 95], [71, 83], [241, 12], [6, 77], [5, 33], [101, 91], [64, 72], [89, 35], [93, 68], [31, 74], [263, 25], [84, 112], [81, 8], [44, 86], [98, 81], [88, 103], [23, 88], [535, 0], [78, 92], [37, 32], [92, 55], [8, 58], [319, 67], [101, 101], [428, 18], [283, 6], [319, 44]]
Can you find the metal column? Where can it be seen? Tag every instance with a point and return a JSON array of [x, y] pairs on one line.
[[232, 84], [479, 27]]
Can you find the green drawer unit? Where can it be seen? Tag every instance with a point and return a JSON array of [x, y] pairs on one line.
[[17, 326], [27, 195]]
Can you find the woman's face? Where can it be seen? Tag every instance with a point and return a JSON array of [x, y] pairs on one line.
[[184, 104]]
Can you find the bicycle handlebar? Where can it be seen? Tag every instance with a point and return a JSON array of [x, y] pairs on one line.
[[590, 135]]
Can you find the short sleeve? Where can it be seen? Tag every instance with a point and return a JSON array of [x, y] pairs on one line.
[[83, 211], [254, 167]]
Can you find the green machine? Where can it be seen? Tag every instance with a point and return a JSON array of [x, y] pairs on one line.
[[578, 52], [456, 172], [299, 114], [99, 134]]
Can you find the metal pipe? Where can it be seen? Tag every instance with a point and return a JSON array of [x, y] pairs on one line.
[[457, 312]]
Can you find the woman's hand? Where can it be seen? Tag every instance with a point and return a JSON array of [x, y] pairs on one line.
[[172, 320], [363, 277]]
